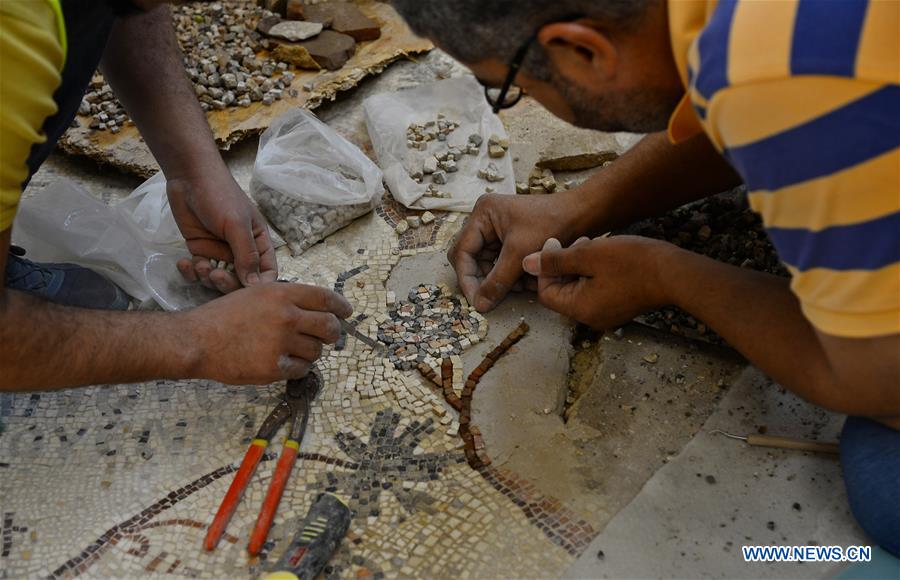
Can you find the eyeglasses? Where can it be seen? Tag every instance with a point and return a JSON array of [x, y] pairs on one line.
[[509, 94]]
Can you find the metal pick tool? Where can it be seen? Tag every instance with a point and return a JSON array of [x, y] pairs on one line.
[[783, 442], [379, 348]]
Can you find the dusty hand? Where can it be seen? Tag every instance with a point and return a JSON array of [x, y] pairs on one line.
[[266, 333], [218, 221], [487, 253], [603, 282]]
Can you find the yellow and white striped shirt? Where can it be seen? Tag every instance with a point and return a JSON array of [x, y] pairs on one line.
[[803, 99]]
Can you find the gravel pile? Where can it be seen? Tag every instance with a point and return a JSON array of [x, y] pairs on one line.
[[722, 227], [220, 42]]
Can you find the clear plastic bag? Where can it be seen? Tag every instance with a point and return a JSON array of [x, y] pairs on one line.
[[461, 100], [134, 243], [309, 181]]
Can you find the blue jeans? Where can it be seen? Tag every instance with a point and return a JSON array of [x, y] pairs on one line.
[[870, 459]]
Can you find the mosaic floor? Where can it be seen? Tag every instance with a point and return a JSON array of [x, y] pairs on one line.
[[122, 480]]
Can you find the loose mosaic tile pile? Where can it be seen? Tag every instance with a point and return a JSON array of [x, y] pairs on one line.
[[119, 481], [432, 324]]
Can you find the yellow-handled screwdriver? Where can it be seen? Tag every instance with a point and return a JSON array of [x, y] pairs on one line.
[[320, 534]]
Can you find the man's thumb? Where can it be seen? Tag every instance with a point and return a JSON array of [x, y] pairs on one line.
[[533, 262], [246, 256]]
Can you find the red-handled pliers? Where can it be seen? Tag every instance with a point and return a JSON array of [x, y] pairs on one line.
[[293, 409]]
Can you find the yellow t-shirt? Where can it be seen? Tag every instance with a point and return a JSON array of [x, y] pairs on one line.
[[803, 99], [32, 54]]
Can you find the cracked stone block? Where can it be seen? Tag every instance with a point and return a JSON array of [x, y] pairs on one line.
[[345, 18], [330, 49]]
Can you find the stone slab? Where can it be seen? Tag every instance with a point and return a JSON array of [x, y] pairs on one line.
[[691, 519]]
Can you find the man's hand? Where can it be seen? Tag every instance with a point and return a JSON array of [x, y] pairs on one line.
[[487, 253], [653, 177], [265, 333], [214, 215], [602, 283], [218, 221], [608, 281]]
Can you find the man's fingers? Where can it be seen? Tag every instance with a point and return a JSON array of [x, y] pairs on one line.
[[268, 263], [202, 269], [562, 295], [186, 267], [246, 255], [580, 241], [305, 347], [293, 368], [318, 299], [500, 280], [467, 272], [463, 255], [321, 325], [532, 262], [224, 281], [555, 262]]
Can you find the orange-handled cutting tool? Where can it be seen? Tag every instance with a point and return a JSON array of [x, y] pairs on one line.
[[294, 410]]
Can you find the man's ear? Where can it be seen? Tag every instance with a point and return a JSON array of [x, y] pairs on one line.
[[579, 51]]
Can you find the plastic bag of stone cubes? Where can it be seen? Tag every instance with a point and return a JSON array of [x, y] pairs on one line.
[[440, 145], [309, 181]]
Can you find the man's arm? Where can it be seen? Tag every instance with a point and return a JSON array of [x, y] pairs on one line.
[[759, 315], [46, 345], [653, 177], [143, 65], [256, 335], [607, 281]]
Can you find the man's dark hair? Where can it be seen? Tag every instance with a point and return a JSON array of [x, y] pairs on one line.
[[474, 30]]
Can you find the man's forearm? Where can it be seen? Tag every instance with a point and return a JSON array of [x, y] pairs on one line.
[[143, 64], [48, 346], [759, 316], [653, 177]]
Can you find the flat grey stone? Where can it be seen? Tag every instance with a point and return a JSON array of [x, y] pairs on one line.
[[295, 30]]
